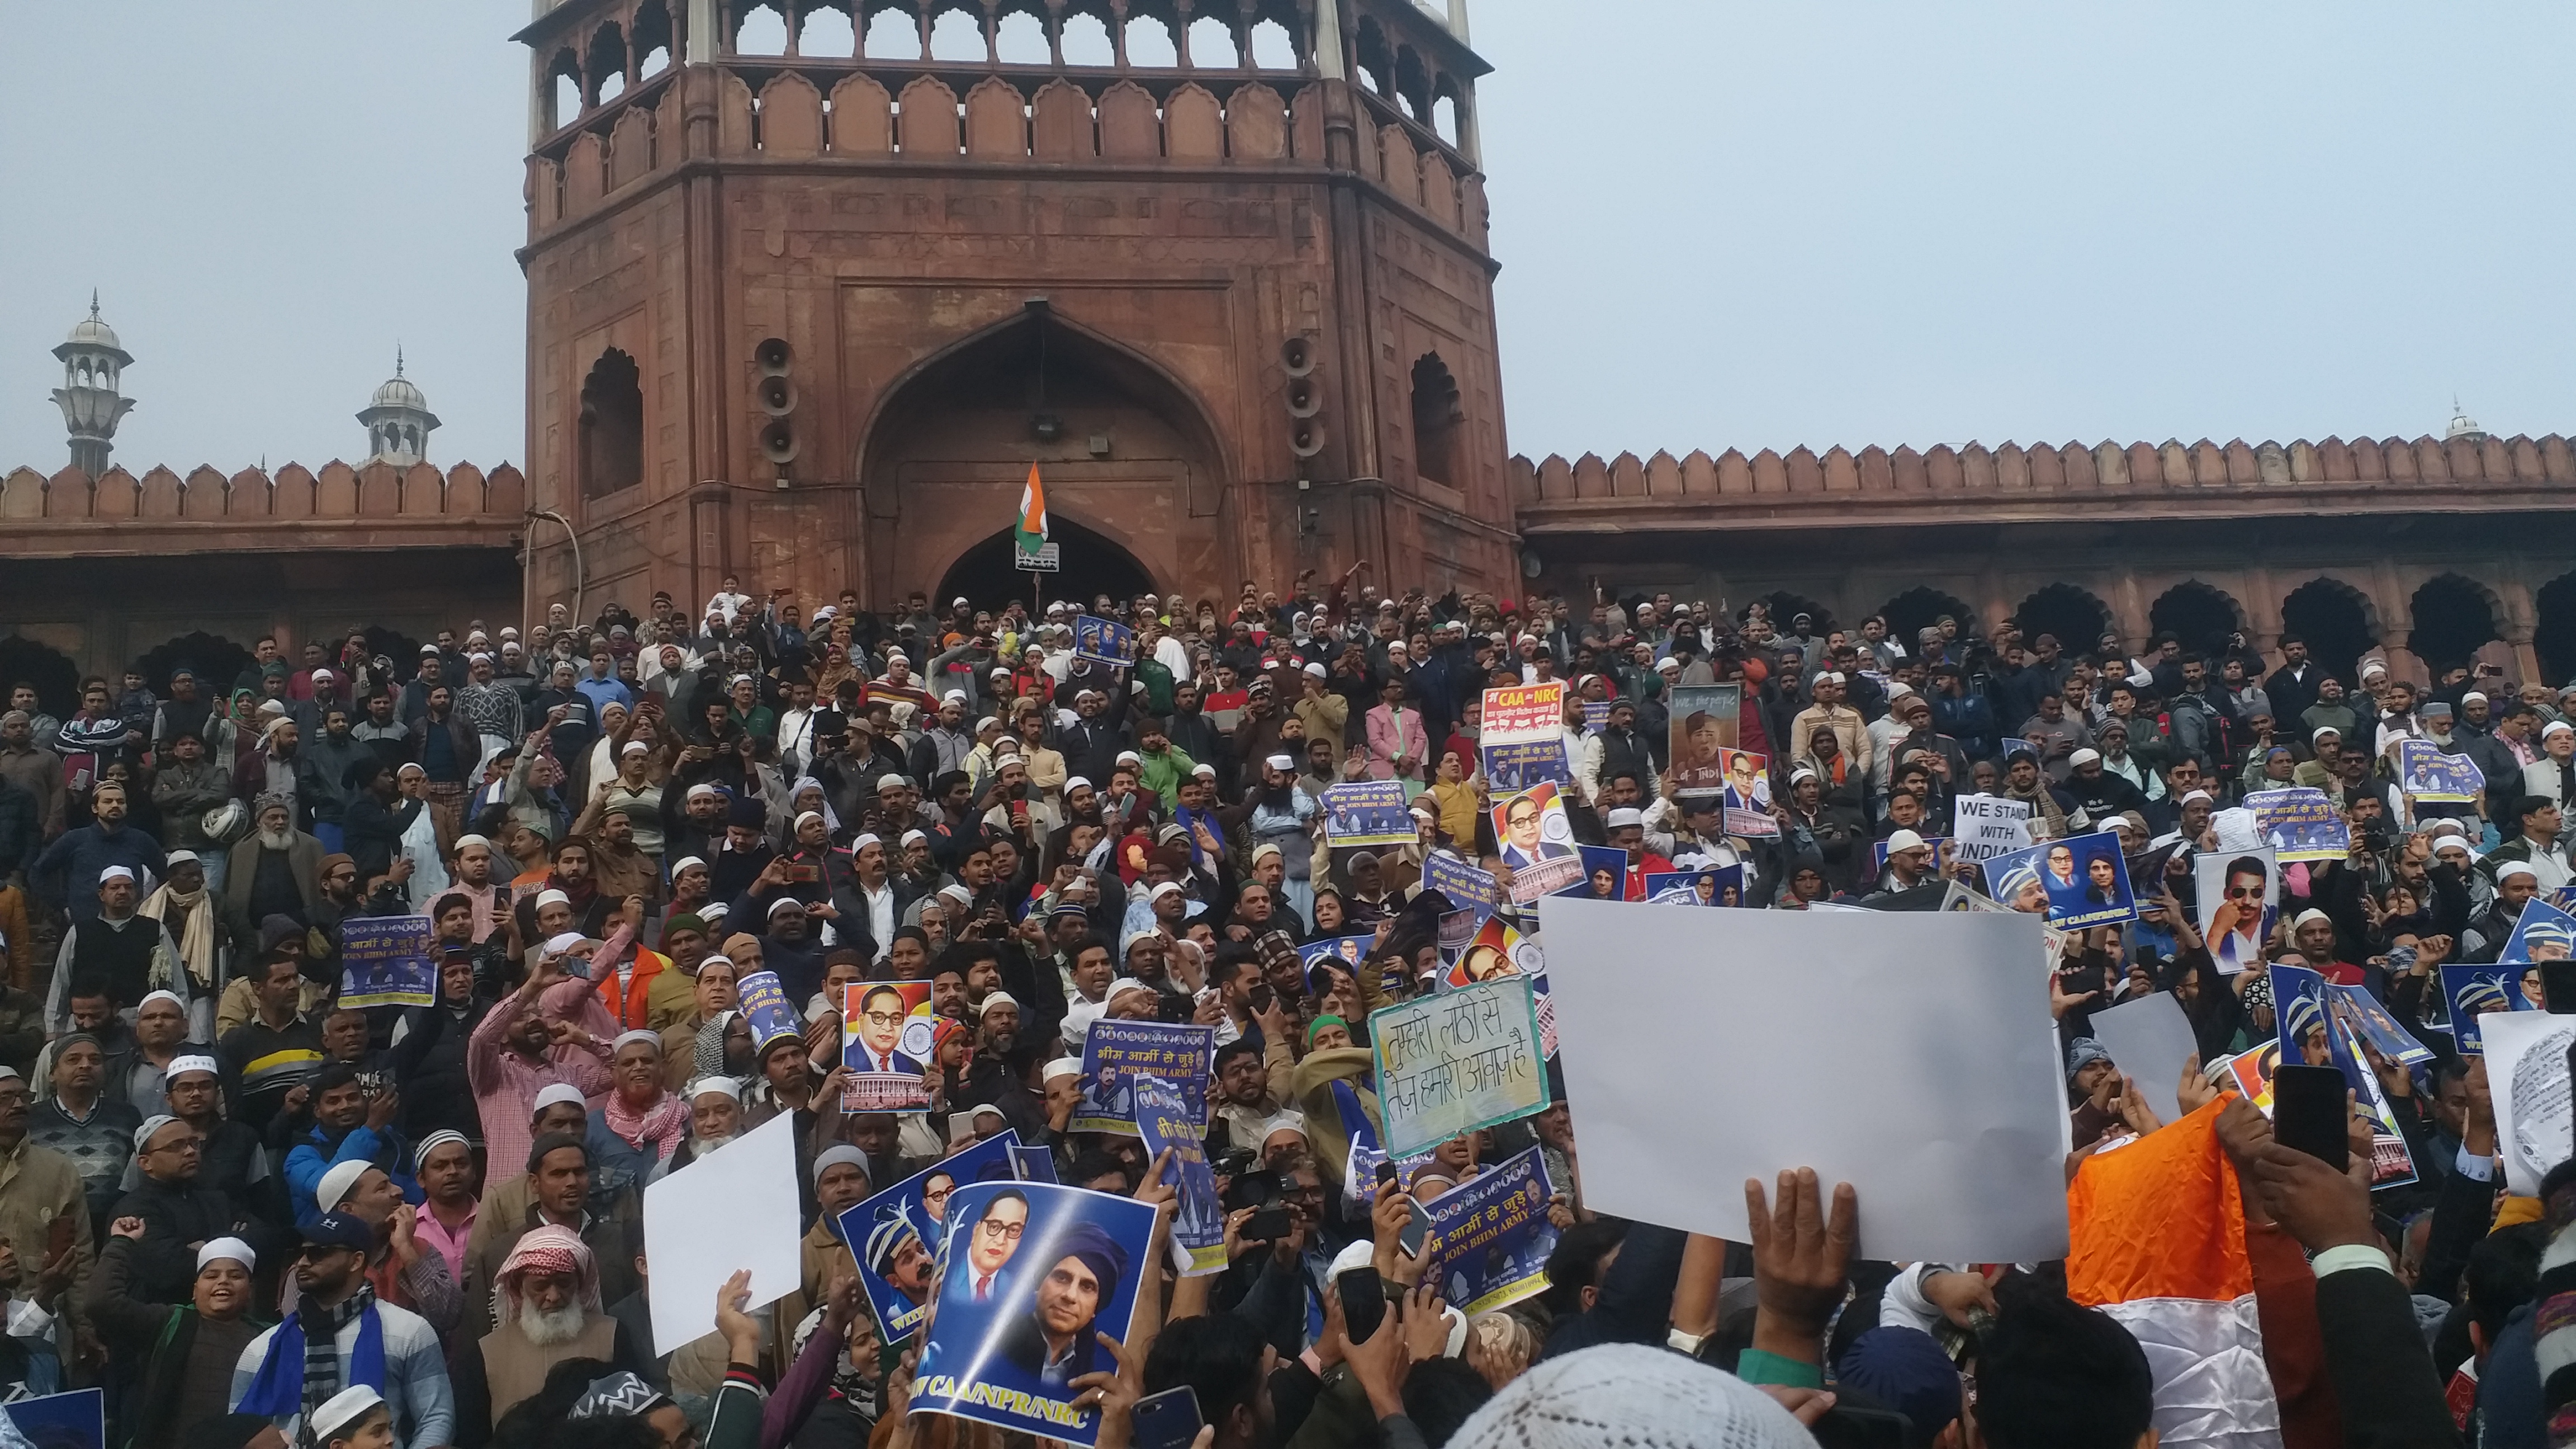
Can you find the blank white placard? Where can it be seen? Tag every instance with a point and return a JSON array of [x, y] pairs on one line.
[[733, 1209], [2149, 1039], [1909, 1054]]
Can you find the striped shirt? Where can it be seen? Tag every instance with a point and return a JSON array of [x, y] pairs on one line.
[[265, 1063]]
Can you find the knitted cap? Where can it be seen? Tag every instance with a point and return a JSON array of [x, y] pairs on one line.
[[1631, 1396]]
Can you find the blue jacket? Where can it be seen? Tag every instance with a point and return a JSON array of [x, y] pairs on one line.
[[314, 1154], [67, 873]]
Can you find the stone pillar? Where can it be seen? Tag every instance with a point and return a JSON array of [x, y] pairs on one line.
[[2129, 612], [2397, 624], [2262, 605]]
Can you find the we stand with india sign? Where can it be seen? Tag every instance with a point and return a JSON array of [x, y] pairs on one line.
[[1456, 1063]]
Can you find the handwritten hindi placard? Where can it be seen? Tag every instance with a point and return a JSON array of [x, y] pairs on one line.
[[1457, 1062]]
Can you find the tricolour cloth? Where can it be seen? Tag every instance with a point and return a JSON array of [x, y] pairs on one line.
[[2159, 1244]]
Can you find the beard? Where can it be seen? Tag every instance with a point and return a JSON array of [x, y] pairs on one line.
[[548, 1328], [277, 839], [706, 1145]]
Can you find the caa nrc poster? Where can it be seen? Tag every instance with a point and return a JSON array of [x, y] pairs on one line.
[[386, 961], [1457, 1062], [1522, 738], [2300, 823], [1987, 826], [1952, 1137]]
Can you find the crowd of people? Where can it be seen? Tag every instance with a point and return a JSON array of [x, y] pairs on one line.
[[246, 1208]]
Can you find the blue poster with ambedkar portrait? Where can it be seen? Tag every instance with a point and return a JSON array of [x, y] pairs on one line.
[[1030, 1276], [387, 961], [895, 1234], [2077, 882], [1490, 1237]]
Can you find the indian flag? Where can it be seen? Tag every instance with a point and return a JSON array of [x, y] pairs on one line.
[[2159, 1244], [1033, 520]]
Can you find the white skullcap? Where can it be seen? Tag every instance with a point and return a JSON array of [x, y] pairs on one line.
[[150, 997], [1899, 689], [958, 893], [114, 872], [1076, 782], [1062, 1067], [866, 838], [553, 1092], [1282, 762], [558, 945], [143, 1134], [232, 1248], [336, 1183], [463, 841], [2191, 795], [1801, 773], [1904, 840], [2556, 727], [551, 897], [891, 781], [2479, 696], [725, 1087], [1203, 772], [2512, 868], [715, 958], [2085, 757], [1314, 671], [714, 911], [346, 1407], [1126, 984], [954, 696], [2311, 914], [2371, 667], [703, 788], [635, 747], [897, 656], [683, 863], [324, 674], [910, 836], [1130, 757], [988, 722], [181, 1066], [805, 815], [179, 857], [998, 998], [1625, 816], [652, 1039], [1258, 851], [784, 903], [1668, 663], [2321, 731], [1166, 888]]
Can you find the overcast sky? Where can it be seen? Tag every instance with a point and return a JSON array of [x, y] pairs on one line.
[[1721, 224]]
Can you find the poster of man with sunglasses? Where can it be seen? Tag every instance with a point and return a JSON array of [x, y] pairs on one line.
[[2235, 891]]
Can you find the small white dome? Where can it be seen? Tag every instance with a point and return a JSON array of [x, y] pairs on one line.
[[398, 392], [93, 333]]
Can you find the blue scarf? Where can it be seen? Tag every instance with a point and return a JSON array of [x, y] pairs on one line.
[[279, 1388]]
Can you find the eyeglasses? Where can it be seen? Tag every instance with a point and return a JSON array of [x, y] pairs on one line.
[[999, 1231], [884, 1018]]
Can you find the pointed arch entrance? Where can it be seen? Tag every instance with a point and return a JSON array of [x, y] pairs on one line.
[[1120, 444], [1092, 565]]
